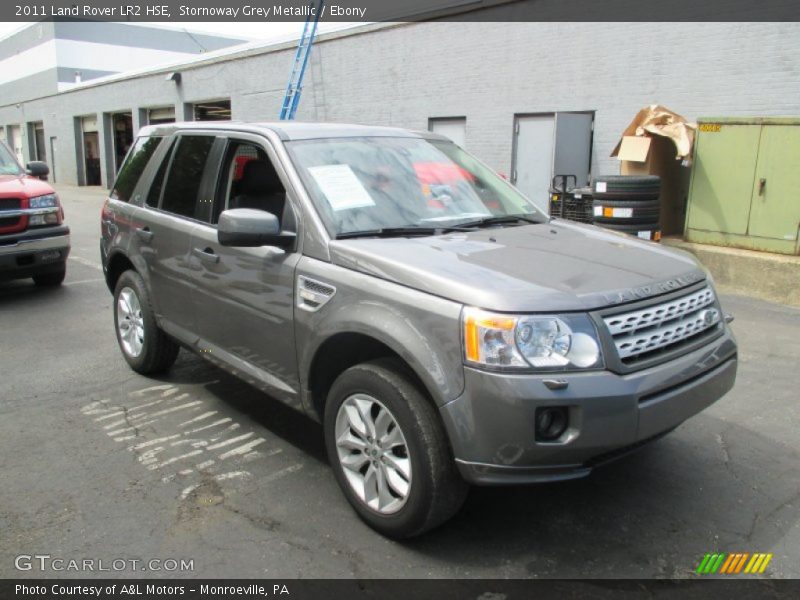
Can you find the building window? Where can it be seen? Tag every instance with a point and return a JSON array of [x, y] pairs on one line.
[[454, 128], [216, 110], [160, 116]]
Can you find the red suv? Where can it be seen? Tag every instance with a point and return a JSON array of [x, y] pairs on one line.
[[34, 242]]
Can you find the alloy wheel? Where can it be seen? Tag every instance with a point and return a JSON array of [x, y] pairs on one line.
[[130, 324], [373, 453]]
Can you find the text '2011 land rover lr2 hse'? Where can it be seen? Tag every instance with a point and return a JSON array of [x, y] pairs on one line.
[[385, 282]]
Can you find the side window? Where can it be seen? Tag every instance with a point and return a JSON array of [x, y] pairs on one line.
[[186, 174], [248, 180], [154, 194], [133, 168]]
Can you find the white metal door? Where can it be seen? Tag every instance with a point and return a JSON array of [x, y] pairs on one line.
[[533, 157], [455, 129]]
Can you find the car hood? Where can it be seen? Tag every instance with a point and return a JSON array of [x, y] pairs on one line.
[[14, 186], [556, 266]]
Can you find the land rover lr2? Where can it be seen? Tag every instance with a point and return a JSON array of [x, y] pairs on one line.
[[443, 330]]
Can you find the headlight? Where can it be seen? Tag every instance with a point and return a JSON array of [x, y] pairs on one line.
[[542, 342], [46, 201]]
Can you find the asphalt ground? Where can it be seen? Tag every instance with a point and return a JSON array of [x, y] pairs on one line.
[[99, 463]]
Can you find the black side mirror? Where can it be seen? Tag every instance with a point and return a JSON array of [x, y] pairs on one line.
[[252, 228], [37, 168]]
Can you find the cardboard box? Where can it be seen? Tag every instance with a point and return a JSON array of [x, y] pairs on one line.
[[656, 156], [659, 142]]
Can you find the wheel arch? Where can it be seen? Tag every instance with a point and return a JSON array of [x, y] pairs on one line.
[[118, 262], [342, 350], [116, 265]]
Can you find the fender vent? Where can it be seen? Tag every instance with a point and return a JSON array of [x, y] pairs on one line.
[[312, 294]]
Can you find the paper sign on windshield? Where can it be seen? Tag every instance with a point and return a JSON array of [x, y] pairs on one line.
[[341, 187]]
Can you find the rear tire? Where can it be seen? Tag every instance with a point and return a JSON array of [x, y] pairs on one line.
[[51, 278], [430, 489], [145, 347]]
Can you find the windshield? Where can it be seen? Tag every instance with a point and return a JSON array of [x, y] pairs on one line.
[[8, 162], [377, 183]]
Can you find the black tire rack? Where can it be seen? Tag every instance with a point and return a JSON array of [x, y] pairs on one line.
[[570, 202]]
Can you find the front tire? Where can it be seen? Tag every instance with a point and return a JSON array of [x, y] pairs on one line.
[[389, 451], [146, 348]]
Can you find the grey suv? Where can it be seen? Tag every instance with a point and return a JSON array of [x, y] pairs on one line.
[[385, 282]]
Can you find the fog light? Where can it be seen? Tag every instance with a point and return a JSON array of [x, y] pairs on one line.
[[551, 423]]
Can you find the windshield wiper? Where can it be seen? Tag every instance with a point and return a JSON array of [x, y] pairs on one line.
[[401, 231], [389, 232], [423, 231], [500, 220]]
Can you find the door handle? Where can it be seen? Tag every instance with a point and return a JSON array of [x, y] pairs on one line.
[[762, 183], [145, 234], [207, 255]]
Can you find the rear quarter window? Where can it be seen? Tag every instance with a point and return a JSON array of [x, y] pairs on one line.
[[133, 167]]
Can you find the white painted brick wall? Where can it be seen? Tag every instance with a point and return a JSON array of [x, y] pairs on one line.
[[485, 71]]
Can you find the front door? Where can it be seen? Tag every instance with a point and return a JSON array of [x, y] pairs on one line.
[[245, 296]]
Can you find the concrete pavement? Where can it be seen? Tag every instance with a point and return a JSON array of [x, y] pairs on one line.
[[96, 462]]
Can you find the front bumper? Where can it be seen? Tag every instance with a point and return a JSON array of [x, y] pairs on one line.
[[492, 431], [33, 252]]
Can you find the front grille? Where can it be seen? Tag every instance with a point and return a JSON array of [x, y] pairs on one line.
[[640, 333], [10, 204], [8, 223]]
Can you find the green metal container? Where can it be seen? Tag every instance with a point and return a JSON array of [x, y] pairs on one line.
[[745, 189]]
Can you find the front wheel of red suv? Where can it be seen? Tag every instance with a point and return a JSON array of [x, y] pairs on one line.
[[146, 348]]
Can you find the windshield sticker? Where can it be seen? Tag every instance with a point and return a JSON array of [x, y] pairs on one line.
[[341, 187]]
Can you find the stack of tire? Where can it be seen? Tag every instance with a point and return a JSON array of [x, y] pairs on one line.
[[629, 204]]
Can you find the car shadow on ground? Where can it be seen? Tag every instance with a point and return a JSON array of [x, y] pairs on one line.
[[709, 486], [21, 291], [283, 421]]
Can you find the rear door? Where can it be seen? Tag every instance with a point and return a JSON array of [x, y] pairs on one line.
[[245, 296], [164, 228]]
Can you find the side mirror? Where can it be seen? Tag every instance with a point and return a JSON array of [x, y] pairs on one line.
[[252, 228], [37, 168]]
